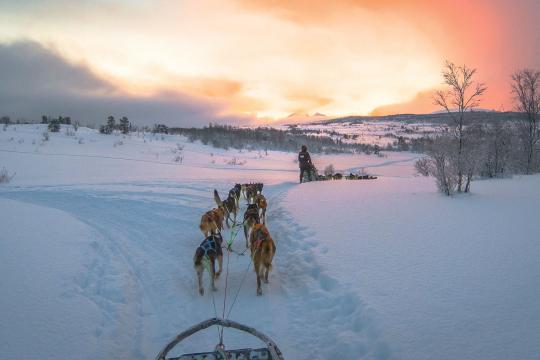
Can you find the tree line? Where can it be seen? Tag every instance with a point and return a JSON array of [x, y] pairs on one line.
[[265, 138]]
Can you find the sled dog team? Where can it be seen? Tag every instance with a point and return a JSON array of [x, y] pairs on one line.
[[258, 239]]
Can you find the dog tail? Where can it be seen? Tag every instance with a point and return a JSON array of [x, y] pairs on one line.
[[197, 258], [201, 225], [217, 199]]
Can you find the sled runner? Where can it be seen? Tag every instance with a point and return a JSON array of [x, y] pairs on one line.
[[270, 352]]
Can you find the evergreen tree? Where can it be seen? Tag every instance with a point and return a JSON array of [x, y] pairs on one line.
[[54, 125], [124, 125], [111, 124]]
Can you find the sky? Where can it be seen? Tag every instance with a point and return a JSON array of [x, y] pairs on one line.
[[235, 61]]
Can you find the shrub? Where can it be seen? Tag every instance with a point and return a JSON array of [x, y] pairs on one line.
[[329, 170], [105, 129], [54, 126], [5, 178], [70, 132]]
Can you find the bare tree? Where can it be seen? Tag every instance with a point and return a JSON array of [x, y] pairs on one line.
[[526, 91], [462, 95], [496, 142], [329, 170]]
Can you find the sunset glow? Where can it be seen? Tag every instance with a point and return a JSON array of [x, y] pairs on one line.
[[268, 59]]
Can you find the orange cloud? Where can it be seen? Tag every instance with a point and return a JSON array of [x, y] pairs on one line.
[[211, 87], [304, 101], [422, 102], [273, 57]]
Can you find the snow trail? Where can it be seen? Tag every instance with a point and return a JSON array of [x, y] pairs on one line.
[[139, 273]]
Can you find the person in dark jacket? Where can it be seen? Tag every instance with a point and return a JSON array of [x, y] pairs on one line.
[[304, 161]]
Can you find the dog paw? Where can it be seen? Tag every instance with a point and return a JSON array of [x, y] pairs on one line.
[[266, 281], [259, 292], [201, 291]]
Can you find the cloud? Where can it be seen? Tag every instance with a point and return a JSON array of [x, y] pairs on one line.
[[321, 12], [304, 101], [248, 56], [421, 103], [29, 68], [37, 80]]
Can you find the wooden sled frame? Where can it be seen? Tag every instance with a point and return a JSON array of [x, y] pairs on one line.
[[271, 347]]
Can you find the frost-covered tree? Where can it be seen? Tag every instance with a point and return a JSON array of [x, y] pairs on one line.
[[497, 149], [461, 96], [440, 163], [526, 91]]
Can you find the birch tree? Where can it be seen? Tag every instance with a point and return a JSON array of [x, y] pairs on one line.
[[526, 91], [461, 96]]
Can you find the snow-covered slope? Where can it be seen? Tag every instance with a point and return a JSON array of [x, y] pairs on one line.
[[448, 278], [97, 238]]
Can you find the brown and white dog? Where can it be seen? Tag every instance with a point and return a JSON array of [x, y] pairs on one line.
[[210, 249], [251, 218], [263, 250], [212, 221], [249, 191], [235, 192], [229, 205], [259, 187], [261, 203]]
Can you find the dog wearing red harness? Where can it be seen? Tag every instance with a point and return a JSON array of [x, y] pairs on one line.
[[263, 250]]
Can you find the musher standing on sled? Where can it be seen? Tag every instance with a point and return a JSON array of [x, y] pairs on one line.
[[304, 161]]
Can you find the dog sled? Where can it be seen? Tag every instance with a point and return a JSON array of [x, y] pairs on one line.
[[310, 174], [352, 176], [313, 175], [269, 352]]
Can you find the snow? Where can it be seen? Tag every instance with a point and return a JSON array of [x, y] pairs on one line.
[[448, 278], [372, 132], [42, 263], [97, 240]]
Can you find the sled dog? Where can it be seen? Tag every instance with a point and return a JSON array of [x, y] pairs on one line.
[[263, 249], [209, 250]]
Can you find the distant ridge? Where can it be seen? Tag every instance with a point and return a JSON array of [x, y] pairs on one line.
[[436, 117]]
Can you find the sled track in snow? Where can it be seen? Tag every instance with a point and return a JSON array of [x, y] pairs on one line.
[[140, 274], [340, 325]]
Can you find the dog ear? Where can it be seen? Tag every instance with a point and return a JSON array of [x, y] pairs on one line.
[[217, 199]]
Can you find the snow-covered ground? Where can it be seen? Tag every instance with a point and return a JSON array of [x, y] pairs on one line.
[[379, 132], [98, 234]]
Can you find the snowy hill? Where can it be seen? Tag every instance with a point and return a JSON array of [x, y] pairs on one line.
[[98, 235]]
